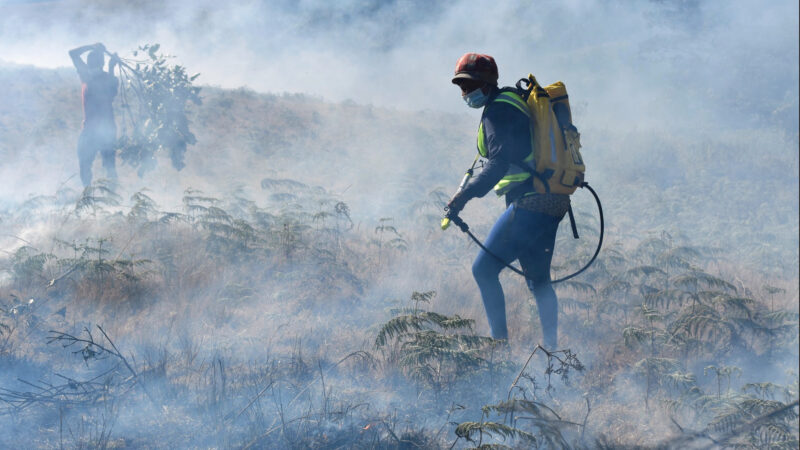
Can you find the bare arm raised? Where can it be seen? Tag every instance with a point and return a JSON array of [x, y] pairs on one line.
[[113, 62], [80, 65]]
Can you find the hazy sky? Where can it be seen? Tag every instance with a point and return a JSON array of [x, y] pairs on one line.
[[649, 60]]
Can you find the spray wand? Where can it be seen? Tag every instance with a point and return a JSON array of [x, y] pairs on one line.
[[465, 228], [447, 220]]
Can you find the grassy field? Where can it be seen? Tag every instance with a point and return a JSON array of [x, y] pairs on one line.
[[290, 288]]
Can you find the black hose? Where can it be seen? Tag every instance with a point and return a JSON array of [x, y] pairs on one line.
[[465, 228]]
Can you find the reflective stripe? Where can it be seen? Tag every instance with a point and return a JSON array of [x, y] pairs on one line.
[[515, 177], [481, 141], [515, 174], [529, 158], [515, 100], [509, 181]]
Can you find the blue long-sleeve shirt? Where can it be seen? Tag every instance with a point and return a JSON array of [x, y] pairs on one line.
[[508, 140]]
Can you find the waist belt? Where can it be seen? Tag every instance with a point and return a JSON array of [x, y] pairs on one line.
[[555, 205]]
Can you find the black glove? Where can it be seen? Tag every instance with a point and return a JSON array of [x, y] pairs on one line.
[[456, 205]]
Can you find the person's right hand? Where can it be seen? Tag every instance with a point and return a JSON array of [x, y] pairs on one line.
[[455, 205]]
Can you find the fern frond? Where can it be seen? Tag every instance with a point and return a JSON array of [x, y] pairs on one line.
[[777, 436], [98, 194], [650, 314], [697, 279], [220, 229], [569, 304], [143, 206], [418, 354], [610, 307], [652, 246], [283, 197], [416, 322], [708, 297], [421, 373], [579, 286], [714, 404], [400, 326], [744, 411], [672, 261], [663, 366], [707, 328], [765, 390], [468, 430], [397, 243], [490, 447], [646, 289], [681, 380], [404, 310], [192, 196], [456, 322], [643, 271], [775, 318], [773, 290], [216, 215], [471, 341], [749, 327], [666, 298], [685, 252], [635, 336], [538, 409], [275, 183], [172, 217], [424, 297], [615, 287]]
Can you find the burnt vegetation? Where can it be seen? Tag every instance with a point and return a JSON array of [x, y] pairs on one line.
[[280, 315]]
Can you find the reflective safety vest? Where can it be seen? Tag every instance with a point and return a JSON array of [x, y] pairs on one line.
[[515, 175], [555, 164]]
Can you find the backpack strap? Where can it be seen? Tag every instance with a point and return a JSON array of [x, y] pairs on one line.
[[572, 222], [530, 85]]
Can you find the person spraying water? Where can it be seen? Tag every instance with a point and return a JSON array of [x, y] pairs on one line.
[[533, 160]]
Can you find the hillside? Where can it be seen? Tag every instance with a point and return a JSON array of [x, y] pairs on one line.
[[729, 188], [280, 290]]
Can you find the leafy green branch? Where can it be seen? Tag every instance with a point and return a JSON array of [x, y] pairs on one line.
[[154, 97]]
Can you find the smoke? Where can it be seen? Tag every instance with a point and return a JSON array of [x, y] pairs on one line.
[[669, 96], [665, 93], [647, 62], [689, 70]]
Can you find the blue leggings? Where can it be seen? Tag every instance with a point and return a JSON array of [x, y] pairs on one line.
[[528, 236]]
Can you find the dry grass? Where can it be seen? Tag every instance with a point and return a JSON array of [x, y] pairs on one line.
[[249, 311]]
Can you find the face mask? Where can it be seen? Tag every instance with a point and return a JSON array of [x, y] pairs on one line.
[[476, 98]]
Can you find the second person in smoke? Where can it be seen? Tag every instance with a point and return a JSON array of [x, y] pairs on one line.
[[527, 229], [98, 89]]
